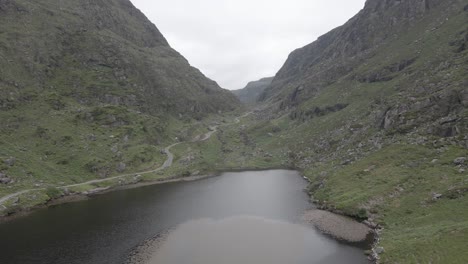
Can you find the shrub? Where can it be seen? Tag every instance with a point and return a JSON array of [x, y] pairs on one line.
[[53, 192]]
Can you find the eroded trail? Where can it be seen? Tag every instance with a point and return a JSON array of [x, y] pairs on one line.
[[167, 163]]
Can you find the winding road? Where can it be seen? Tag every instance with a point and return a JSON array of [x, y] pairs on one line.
[[167, 163]]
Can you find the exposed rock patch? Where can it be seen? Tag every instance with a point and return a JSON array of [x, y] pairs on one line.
[[4, 179]]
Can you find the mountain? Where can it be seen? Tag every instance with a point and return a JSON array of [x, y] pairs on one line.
[[98, 52], [342, 51], [250, 93], [89, 89], [397, 44], [395, 70]]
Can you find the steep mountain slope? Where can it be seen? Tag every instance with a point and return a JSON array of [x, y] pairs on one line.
[[250, 93], [398, 68], [380, 25], [98, 52], [89, 89]]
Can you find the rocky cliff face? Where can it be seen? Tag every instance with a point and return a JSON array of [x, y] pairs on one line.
[[399, 44], [98, 52], [250, 93]]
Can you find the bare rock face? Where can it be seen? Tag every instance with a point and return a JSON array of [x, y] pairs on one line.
[[345, 58], [413, 8], [337, 52]]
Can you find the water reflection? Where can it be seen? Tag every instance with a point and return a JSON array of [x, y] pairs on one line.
[[105, 229], [245, 239]]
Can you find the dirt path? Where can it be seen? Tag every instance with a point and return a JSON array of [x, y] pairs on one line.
[[167, 163]]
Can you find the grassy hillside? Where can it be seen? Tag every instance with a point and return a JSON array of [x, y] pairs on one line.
[[88, 90]]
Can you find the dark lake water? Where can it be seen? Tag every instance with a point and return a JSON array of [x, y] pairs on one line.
[[244, 217]]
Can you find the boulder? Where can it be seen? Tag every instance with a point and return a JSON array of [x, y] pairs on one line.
[[10, 161], [436, 196], [460, 160], [379, 250], [4, 179], [370, 224], [115, 149], [121, 167]]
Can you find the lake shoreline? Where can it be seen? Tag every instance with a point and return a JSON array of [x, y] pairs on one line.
[[77, 197], [321, 223]]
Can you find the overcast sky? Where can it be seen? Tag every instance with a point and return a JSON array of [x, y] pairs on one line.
[[237, 41]]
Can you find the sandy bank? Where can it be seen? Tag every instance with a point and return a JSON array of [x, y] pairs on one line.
[[338, 226]]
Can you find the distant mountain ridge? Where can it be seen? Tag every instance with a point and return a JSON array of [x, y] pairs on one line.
[[250, 93]]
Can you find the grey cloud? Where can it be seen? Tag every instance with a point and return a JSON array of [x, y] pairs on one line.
[[237, 41]]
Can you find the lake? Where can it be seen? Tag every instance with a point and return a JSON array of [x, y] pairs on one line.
[[241, 217]]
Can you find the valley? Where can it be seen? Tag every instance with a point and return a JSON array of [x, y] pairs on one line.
[[373, 115]]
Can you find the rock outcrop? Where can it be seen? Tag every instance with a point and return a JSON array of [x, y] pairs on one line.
[[413, 48]]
